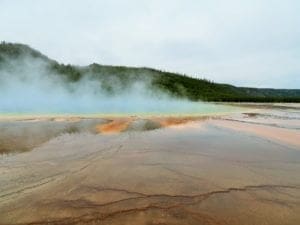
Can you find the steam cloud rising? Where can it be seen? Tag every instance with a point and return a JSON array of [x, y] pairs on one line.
[[28, 86]]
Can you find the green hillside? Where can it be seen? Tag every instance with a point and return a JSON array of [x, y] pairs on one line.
[[114, 77]]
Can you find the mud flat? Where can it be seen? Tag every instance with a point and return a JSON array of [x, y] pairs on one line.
[[241, 168]]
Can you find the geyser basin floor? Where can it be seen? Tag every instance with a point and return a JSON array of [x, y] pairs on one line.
[[218, 170]]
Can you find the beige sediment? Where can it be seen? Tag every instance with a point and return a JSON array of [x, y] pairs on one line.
[[174, 121], [282, 135]]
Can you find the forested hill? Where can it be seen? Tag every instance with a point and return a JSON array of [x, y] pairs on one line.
[[171, 83]]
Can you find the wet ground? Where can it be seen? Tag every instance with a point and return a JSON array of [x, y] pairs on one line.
[[239, 168]]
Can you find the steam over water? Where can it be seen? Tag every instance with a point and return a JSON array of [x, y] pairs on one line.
[[28, 86]]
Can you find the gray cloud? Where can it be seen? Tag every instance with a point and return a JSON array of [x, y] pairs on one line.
[[247, 43]]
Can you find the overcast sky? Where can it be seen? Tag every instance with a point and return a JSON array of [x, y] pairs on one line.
[[242, 42]]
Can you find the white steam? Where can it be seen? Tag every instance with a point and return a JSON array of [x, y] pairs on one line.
[[27, 86]]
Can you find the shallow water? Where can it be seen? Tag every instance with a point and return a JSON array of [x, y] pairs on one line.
[[191, 170], [142, 109]]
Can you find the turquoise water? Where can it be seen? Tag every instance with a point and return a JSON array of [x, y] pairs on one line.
[[131, 109]]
